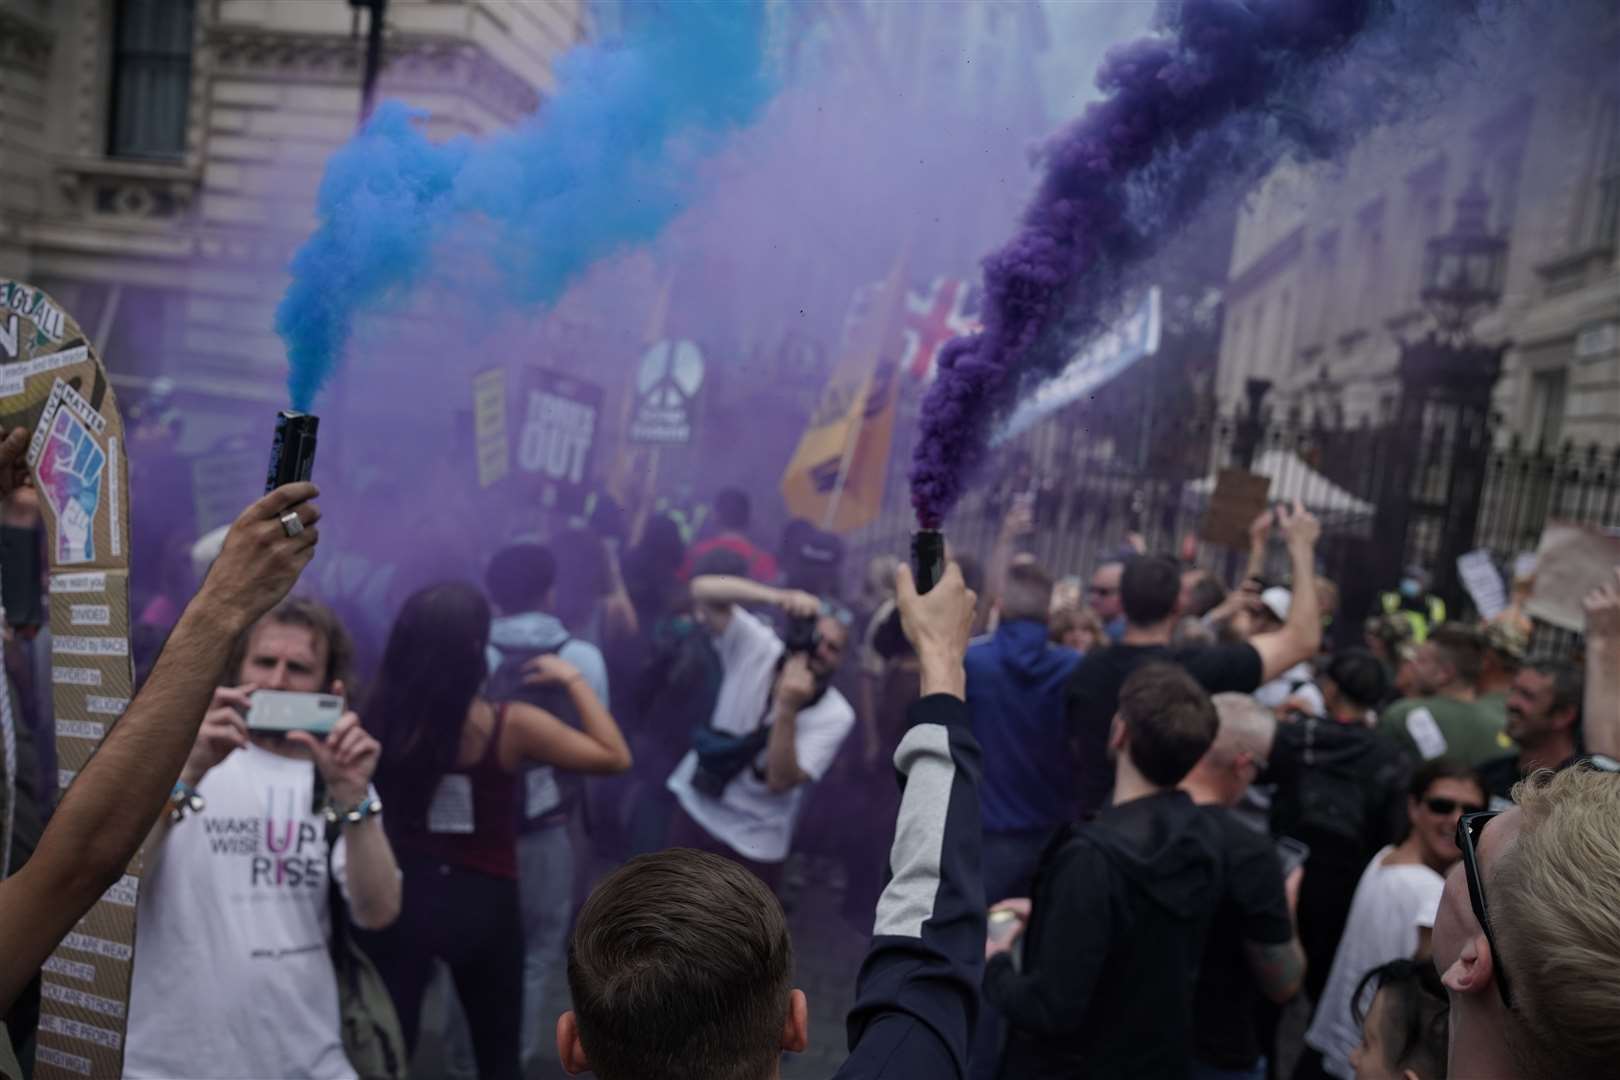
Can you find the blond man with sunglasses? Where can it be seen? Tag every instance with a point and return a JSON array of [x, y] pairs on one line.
[[1527, 938]]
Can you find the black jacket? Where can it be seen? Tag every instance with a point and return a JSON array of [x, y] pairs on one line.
[[916, 998], [1341, 789], [1111, 956]]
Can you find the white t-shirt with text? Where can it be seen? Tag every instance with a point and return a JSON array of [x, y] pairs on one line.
[[1392, 903], [233, 972], [754, 821]]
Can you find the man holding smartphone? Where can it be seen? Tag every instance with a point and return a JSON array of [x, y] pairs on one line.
[[101, 819], [233, 974]]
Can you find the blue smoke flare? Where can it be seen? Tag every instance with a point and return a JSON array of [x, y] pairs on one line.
[[603, 165]]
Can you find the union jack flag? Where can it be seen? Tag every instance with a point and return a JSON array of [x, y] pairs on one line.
[[947, 309]]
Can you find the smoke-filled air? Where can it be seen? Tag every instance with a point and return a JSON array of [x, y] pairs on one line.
[[603, 166], [1224, 92], [1238, 381]]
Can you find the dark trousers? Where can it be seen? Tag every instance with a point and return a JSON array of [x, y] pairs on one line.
[[470, 921], [1010, 859], [1310, 1066], [687, 833]]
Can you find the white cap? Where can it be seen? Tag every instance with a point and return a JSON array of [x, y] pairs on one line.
[[1278, 601]]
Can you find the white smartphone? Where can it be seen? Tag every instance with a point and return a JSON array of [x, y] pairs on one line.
[[280, 711]]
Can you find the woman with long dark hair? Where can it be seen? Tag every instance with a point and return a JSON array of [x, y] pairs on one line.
[[448, 777]]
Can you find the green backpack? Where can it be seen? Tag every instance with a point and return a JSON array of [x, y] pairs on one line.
[[372, 1039]]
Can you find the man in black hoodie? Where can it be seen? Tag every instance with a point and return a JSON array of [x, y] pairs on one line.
[[1116, 927], [1340, 789]]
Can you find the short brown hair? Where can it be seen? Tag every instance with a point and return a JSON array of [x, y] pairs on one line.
[[680, 967], [1170, 720], [1555, 907], [1028, 593], [1463, 648], [319, 620]]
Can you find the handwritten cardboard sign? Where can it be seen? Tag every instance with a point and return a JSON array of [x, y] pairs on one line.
[[1571, 561], [52, 383], [1238, 499]]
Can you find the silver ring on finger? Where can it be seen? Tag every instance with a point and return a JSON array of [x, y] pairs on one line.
[[291, 524]]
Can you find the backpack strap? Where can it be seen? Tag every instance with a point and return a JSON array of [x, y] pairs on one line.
[[492, 751], [337, 910]]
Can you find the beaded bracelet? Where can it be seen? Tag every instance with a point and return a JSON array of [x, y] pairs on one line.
[[369, 806], [184, 799]]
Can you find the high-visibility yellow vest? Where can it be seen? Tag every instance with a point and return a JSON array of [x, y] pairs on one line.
[[1421, 622]]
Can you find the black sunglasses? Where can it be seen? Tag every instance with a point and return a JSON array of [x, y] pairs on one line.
[[1469, 831], [1443, 807]]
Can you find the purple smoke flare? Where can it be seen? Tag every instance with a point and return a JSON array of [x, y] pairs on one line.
[[1229, 90]]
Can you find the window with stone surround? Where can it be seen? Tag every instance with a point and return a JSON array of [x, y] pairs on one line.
[[151, 79], [1605, 216], [1548, 390]]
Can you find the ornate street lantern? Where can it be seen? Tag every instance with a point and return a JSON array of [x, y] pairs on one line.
[[1434, 458], [1463, 269]]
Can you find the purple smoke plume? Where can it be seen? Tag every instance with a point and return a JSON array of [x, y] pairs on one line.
[[1230, 89]]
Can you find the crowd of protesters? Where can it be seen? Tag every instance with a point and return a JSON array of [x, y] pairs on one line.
[[1136, 824]]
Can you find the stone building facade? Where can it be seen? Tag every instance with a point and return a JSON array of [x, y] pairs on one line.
[[1327, 261], [159, 159]]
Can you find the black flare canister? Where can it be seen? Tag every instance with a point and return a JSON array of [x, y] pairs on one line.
[[928, 558], [292, 450]]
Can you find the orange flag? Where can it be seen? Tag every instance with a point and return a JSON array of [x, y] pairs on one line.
[[836, 476]]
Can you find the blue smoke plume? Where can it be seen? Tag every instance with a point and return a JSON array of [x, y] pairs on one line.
[[602, 166]]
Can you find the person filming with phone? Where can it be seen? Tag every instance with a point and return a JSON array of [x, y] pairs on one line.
[[104, 815], [234, 976], [777, 723]]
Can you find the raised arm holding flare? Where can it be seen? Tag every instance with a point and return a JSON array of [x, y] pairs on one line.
[[109, 809]]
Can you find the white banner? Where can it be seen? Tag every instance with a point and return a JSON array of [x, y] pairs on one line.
[[1132, 338]]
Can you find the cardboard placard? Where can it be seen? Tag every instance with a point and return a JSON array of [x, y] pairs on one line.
[[667, 382], [1483, 582], [52, 383], [1238, 499], [556, 444], [1571, 561], [489, 426]]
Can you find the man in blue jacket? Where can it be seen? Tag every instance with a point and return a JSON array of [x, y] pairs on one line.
[[1016, 686], [1115, 929], [681, 966]]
